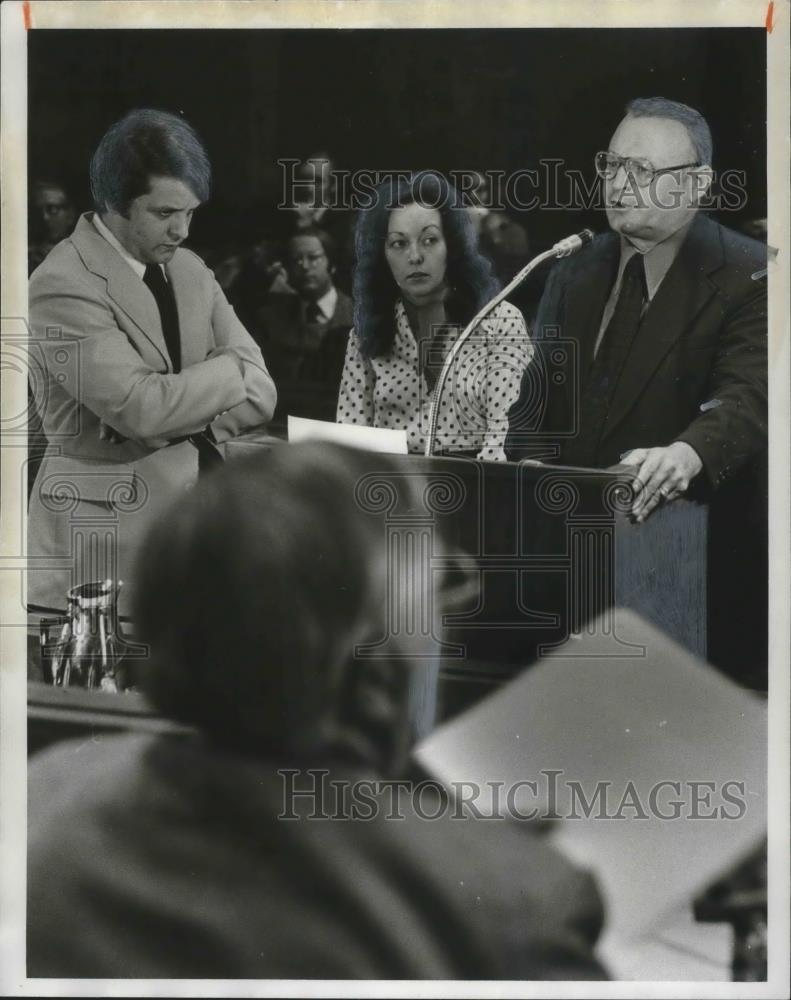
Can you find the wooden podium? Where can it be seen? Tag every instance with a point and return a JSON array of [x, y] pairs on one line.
[[548, 549], [544, 550]]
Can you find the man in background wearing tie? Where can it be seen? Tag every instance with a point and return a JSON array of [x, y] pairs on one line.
[[652, 352], [304, 336], [143, 367]]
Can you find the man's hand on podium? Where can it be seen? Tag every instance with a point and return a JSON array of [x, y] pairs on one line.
[[663, 474]]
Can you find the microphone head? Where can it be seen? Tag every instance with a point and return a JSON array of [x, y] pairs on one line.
[[572, 244]]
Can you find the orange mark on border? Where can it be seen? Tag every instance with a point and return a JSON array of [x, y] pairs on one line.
[[26, 14], [770, 10]]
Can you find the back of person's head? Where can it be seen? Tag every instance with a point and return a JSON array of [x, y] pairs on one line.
[[253, 593], [147, 143]]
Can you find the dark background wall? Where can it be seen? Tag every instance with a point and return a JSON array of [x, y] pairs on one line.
[[460, 99]]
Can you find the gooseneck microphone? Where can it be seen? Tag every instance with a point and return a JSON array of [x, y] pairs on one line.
[[563, 248]]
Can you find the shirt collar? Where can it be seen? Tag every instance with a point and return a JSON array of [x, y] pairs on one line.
[[326, 304], [137, 266], [657, 260]]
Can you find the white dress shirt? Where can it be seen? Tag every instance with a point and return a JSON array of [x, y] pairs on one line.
[[657, 262]]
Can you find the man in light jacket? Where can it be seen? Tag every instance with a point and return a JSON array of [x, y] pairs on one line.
[[144, 369]]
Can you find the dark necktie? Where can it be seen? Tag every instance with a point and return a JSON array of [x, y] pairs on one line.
[[313, 313], [208, 455], [599, 387], [168, 315]]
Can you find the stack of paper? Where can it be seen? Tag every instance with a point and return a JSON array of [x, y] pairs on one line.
[[654, 765]]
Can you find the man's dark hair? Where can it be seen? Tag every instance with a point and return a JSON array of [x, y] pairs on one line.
[[693, 121], [328, 244], [49, 184], [147, 143]]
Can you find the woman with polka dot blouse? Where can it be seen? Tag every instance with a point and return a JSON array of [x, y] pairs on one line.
[[419, 279]]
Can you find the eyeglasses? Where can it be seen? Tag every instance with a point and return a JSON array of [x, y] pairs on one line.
[[643, 171], [54, 209], [308, 259]]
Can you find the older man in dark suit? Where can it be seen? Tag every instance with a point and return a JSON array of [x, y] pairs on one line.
[[664, 323], [652, 352], [145, 368]]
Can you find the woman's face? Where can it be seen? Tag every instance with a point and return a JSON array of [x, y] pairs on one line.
[[416, 253]]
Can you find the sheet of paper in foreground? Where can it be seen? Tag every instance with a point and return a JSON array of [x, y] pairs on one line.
[[618, 729], [368, 438]]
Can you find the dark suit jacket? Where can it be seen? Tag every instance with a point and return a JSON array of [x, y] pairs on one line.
[[304, 359], [155, 856], [697, 368]]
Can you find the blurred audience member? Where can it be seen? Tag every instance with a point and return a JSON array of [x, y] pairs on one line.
[[756, 229], [316, 194], [479, 201], [253, 274], [501, 239], [154, 856], [505, 243], [227, 262], [51, 218], [303, 336], [315, 200]]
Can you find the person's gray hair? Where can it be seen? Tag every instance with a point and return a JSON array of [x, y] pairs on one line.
[[147, 143], [693, 121]]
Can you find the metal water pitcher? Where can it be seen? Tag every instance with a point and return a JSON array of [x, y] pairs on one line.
[[88, 648]]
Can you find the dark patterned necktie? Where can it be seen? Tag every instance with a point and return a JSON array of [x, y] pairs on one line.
[[168, 314], [604, 373]]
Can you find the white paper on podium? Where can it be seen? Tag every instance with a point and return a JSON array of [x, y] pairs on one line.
[[367, 438], [656, 714]]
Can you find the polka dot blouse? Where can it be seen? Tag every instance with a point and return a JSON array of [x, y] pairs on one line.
[[391, 390]]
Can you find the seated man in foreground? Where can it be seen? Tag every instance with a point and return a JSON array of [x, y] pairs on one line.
[[225, 853]]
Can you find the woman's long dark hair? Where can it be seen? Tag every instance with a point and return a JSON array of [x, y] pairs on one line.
[[469, 274]]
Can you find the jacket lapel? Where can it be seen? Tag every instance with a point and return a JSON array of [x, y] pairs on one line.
[[587, 295], [684, 291], [342, 316], [123, 285]]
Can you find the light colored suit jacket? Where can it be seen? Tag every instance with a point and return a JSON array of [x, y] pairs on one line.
[[100, 358]]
